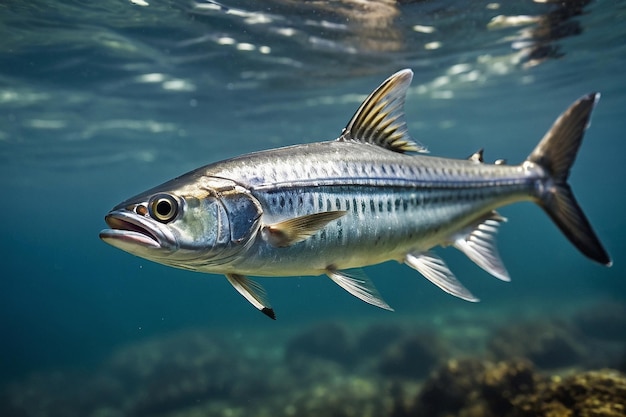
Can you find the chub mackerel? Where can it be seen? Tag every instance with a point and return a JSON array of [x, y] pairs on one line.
[[370, 196]]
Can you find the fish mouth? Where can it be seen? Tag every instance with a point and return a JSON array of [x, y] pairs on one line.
[[129, 230]]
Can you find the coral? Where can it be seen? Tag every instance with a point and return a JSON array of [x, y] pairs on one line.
[[391, 370], [448, 389], [589, 394], [471, 387]]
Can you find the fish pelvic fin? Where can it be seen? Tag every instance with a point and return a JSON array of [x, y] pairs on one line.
[[253, 292], [380, 118], [556, 153]]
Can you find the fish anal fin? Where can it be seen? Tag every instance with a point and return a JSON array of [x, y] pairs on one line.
[[253, 292], [478, 242], [380, 118], [436, 271], [359, 285], [297, 229]]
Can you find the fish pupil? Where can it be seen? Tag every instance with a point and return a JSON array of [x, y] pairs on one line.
[[164, 207]]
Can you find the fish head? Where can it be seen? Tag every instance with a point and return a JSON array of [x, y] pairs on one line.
[[183, 225]]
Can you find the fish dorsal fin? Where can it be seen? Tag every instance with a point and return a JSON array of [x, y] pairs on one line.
[[253, 292], [380, 119], [297, 229], [359, 285], [477, 156], [478, 242], [437, 272]]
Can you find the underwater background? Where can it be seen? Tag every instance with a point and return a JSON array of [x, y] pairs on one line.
[[102, 100]]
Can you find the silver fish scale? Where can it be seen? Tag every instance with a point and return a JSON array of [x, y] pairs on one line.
[[357, 201], [393, 201], [339, 163]]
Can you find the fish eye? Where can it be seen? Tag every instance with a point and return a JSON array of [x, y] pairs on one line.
[[163, 207]]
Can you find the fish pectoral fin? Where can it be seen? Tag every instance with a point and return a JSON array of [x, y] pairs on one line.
[[436, 271], [297, 229], [380, 119], [478, 242], [253, 292], [359, 285]]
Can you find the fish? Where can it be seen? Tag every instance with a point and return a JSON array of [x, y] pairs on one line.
[[370, 196]]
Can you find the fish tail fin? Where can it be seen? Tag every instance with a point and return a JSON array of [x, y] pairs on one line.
[[556, 153]]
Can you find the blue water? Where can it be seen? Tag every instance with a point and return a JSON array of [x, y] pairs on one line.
[[101, 101]]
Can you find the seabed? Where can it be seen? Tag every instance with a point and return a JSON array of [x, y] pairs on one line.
[[566, 364]]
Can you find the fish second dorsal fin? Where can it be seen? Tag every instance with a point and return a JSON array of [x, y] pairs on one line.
[[380, 119]]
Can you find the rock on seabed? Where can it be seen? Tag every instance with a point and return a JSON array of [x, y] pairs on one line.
[[471, 387]]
